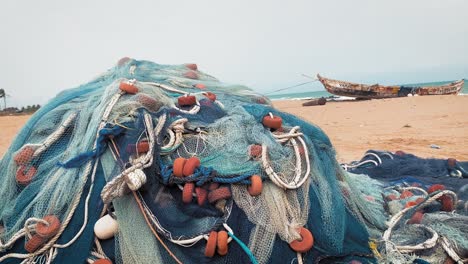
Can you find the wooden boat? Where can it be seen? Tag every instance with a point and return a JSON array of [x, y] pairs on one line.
[[364, 91]]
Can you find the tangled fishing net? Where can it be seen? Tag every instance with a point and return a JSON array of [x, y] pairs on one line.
[[153, 163]]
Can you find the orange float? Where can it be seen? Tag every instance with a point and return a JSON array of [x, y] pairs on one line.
[[274, 122], [128, 88], [390, 197], [416, 218], [34, 243], [210, 96], [142, 146], [211, 244], [24, 156], [191, 75], [255, 151], [213, 186], [447, 203], [187, 193], [190, 166], [410, 204], [305, 243], [400, 153], [219, 194], [256, 185], [50, 229], [436, 187], [192, 66], [222, 243], [178, 167], [25, 175], [102, 261], [451, 162], [202, 195], [188, 100], [405, 194], [200, 86]]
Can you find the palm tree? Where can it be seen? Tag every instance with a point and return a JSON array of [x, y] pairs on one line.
[[2, 94]]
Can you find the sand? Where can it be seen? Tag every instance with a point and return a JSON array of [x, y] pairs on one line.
[[9, 127], [410, 124]]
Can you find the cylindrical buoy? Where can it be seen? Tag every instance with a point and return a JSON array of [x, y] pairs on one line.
[[187, 193], [256, 185], [200, 86], [305, 244], [218, 194], [222, 243], [178, 167], [128, 88], [255, 151], [210, 96], [192, 66], [191, 75], [274, 122], [24, 155], [122, 61], [202, 195], [435, 187], [50, 229], [451, 162], [25, 175], [187, 100], [34, 243], [211, 244], [190, 166], [106, 227]]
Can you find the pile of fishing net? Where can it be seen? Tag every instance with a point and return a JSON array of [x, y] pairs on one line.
[[427, 204], [153, 163]]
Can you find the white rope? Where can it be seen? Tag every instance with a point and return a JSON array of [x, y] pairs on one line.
[[77, 198], [450, 251], [298, 179], [52, 138], [132, 69], [373, 154], [394, 220], [415, 188], [175, 132], [182, 242], [429, 243], [387, 154], [85, 220], [299, 258], [348, 166], [165, 87], [195, 109], [117, 186]]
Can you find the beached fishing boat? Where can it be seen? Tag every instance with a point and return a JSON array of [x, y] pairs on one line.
[[376, 91]]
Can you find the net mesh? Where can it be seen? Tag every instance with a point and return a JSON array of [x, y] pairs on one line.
[[111, 145]]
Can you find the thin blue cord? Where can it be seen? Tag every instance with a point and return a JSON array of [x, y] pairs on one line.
[[244, 247]]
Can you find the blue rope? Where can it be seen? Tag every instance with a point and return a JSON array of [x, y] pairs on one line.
[[82, 158], [201, 176], [244, 247]]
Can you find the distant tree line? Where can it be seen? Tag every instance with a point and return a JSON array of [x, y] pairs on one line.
[[29, 109]]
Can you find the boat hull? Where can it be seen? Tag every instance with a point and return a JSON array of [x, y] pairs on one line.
[[377, 91]]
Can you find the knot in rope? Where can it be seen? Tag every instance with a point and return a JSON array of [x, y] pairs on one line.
[[178, 126], [135, 179]]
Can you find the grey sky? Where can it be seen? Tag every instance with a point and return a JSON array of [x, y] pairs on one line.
[[47, 46]]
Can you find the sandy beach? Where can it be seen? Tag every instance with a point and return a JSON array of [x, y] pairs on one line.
[[410, 124]]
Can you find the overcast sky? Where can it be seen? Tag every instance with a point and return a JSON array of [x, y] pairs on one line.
[[47, 46]]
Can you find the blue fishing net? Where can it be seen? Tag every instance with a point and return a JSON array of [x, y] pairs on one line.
[[177, 158]]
